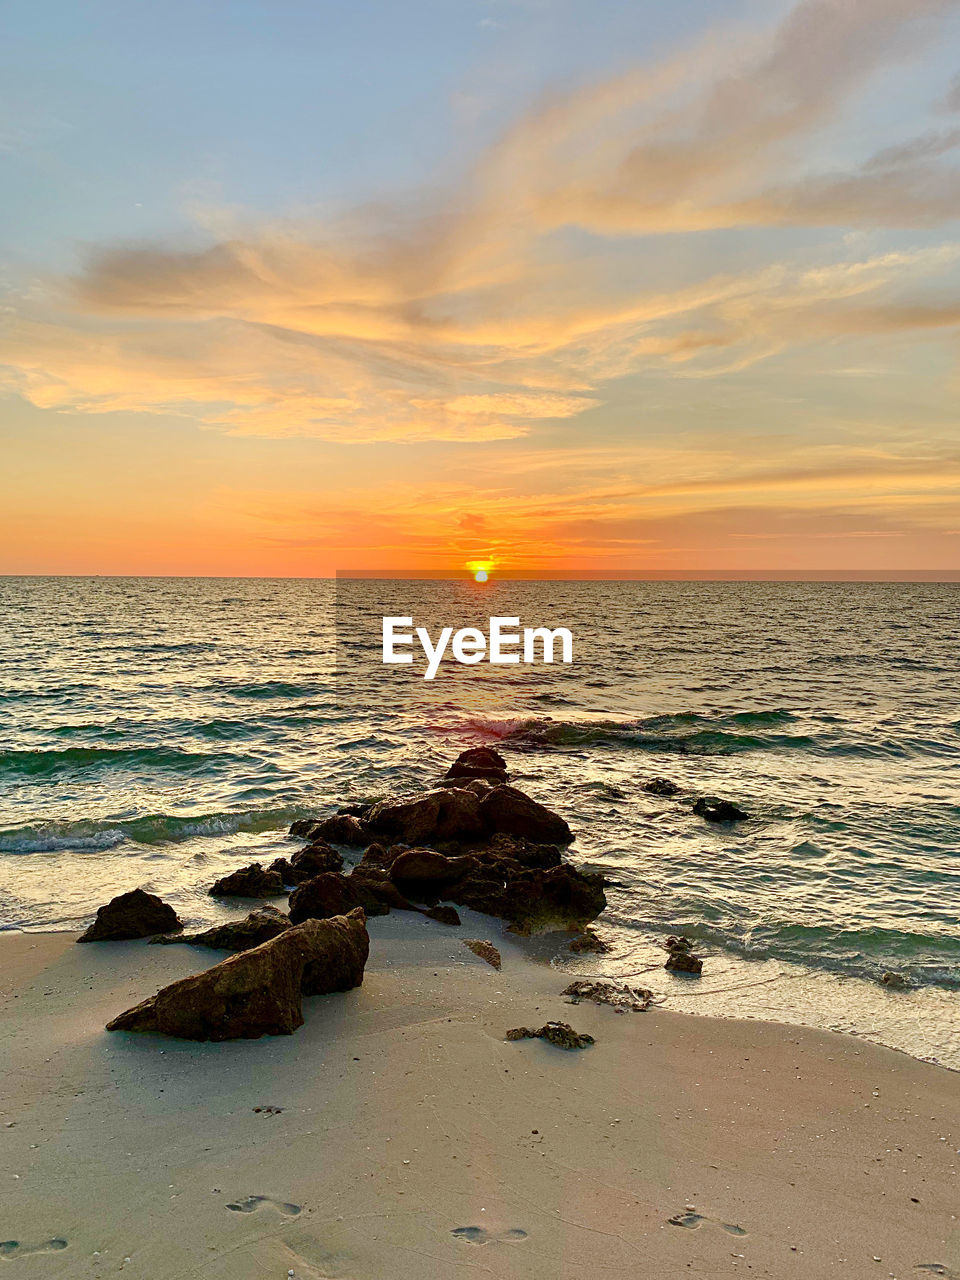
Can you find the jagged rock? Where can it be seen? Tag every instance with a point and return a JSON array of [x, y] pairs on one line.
[[308, 862], [589, 940], [479, 762], [485, 950], [238, 935], [136, 914], [377, 891], [895, 980], [684, 962], [328, 894], [427, 867], [478, 786], [677, 942], [341, 828], [661, 787], [532, 898], [443, 914], [446, 813], [559, 1033], [617, 994], [507, 810], [258, 992], [378, 855], [302, 827], [716, 810], [249, 882]]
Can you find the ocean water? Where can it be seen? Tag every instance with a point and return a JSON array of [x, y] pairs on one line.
[[158, 732]]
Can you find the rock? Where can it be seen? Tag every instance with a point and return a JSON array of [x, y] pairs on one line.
[[505, 809], [258, 992], [617, 994], [427, 867], [443, 914], [895, 980], [308, 862], [484, 949], [715, 810], [479, 762], [661, 787], [136, 914], [378, 855], [531, 898], [302, 827], [684, 962], [559, 1033], [589, 940], [478, 786], [446, 813], [678, 943], [238, 935], [342, 828], [328, 894], [377, 891], [249, 882]]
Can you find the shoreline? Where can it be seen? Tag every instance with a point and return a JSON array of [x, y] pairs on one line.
[[772, 1129]]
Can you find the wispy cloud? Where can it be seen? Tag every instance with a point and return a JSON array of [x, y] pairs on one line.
[[512, 303]]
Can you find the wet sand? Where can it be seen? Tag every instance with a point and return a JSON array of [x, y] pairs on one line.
[[403, 1135]]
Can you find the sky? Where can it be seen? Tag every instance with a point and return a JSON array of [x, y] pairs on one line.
[[552, 285]]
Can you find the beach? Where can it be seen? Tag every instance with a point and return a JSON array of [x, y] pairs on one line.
[[398, 1133]]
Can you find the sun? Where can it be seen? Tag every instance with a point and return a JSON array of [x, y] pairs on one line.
[[480, 570]]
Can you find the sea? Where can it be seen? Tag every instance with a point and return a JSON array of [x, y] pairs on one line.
[[160, 732]]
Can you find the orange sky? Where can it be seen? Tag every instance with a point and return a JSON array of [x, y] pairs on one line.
[[693, 310]]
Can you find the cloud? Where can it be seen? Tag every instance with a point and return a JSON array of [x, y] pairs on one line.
[[513, 302]]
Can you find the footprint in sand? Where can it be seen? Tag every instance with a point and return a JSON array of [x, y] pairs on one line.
[[252, 1203], [695, 1220], [480, 1235], [14, 1249]]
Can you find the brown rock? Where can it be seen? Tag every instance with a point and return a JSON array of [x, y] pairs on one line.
[[238, 935], [485, 949], [342, 828], [443, 914], [508, 810], [559, 1033], [258, 992], [446, 813], [136, 914], [617, 994], [479, 762], [249, 882], [532, 898], [328, 894], [589, 940], [426, 866], [682, 961], [308, 862]]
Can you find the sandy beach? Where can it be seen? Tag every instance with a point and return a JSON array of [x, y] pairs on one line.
[[398, 1133]]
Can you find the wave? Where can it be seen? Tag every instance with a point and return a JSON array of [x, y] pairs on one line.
[[90, 836], [677, 733], [38, 764], [274, 689]]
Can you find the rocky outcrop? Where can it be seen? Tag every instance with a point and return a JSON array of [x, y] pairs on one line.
[[308, 862], [446, 813], [559, 1033], [249, 882], [716, 810], [479, 762], [507, 810], [136, 914], [532, 899], [616, 994], [589, 940], [258, 992], [681, 958], [485, 949], [341, 828], [328, 894], [427, 867], [238, 935]]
